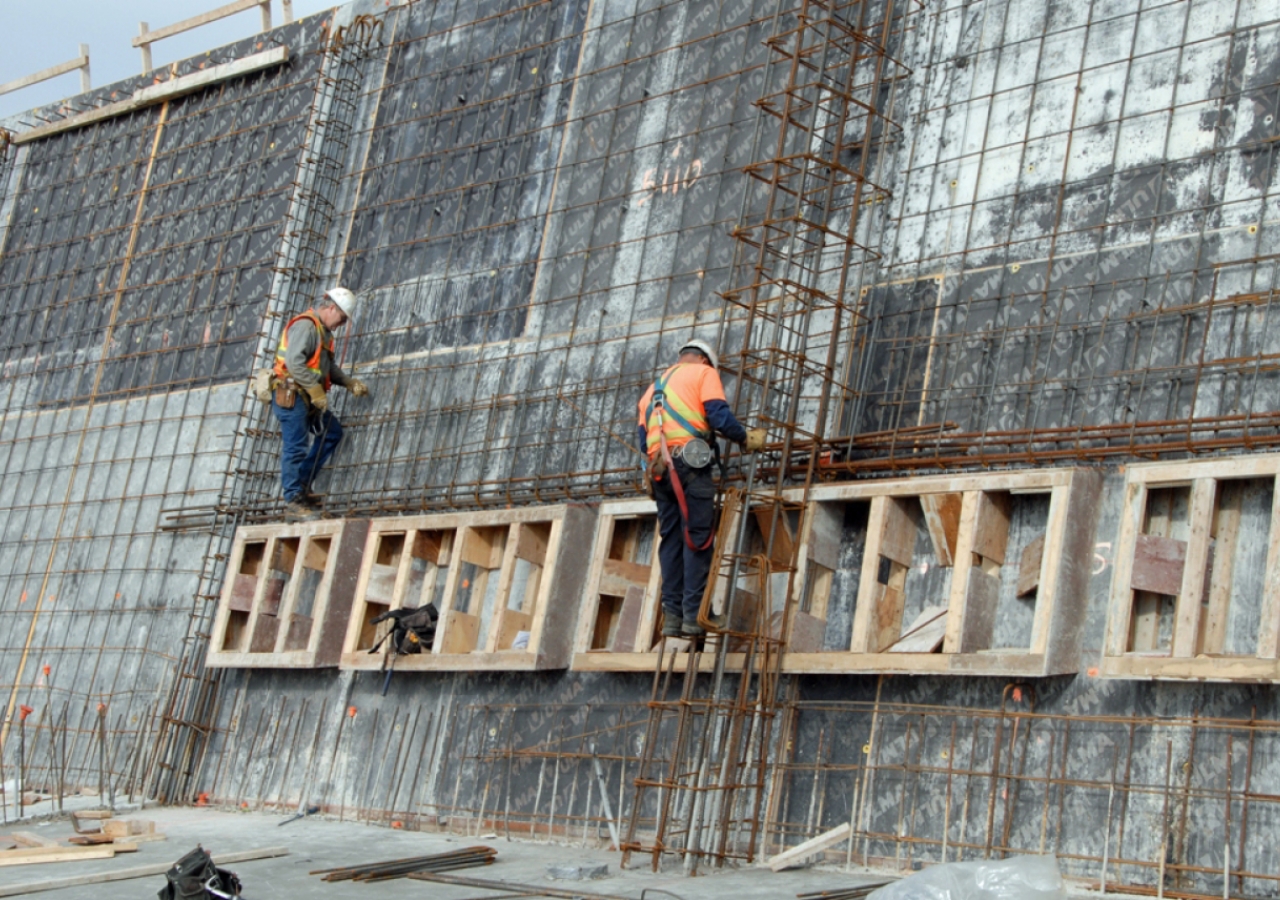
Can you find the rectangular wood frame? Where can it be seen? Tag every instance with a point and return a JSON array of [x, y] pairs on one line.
[[628, 593], [264, 617], [963, 515], [1186, 571], [539, 548]]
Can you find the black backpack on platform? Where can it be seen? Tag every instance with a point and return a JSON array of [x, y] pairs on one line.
[[195, 877], [411, 629]]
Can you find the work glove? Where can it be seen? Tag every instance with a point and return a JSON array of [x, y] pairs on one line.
[[357, 387], [755, 440], [319, 399]]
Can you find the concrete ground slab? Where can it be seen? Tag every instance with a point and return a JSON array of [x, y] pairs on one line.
[[316, 843]]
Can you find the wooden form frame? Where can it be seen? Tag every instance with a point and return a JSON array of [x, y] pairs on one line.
[[1153, 567], [967, 518], [621, 616], [472, 566], [287, 595], [146, 37]]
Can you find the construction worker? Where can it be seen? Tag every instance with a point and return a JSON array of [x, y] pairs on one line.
[[304, 371], [678, 415]]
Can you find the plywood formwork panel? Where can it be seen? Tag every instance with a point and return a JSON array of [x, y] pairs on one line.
[[1181, 577], [287, 595], [505, 584]]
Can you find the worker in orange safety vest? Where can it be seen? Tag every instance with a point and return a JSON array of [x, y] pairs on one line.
[[679, 416], [304, 371]]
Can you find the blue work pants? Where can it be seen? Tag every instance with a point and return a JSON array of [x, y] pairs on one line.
[[302, 457], [685, 570]]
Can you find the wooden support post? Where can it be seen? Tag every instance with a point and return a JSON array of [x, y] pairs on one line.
[[1186, 630], [288, 10], [1269, 628], [1121, 611], [266, 15], [144, 46], [86, 83]]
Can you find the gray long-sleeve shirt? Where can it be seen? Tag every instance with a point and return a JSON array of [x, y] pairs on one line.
[[303, 340]]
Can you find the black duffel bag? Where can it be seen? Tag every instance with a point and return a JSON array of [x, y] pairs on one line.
[[195, 877]]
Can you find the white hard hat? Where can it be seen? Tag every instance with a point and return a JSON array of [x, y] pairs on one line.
[[705, 349], [343, 299]]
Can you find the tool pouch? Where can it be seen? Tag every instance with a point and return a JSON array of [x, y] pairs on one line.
[[286, 396]]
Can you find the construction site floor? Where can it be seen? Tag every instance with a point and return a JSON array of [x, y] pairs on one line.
[[316, 843]]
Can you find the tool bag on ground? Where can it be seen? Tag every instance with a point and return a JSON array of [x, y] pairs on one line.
[[195, 877], [411, 629]]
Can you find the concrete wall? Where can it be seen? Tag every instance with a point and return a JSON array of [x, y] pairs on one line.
[[1072, 187]]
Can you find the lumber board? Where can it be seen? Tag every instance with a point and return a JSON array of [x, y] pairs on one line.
[[958, 590], [1227, 534], [798, 854], [33, 840], [624, 636], [54, 884], [925, 633], [981, 599], [1029, 565], [825, 528], [781, 545], [889, 605], [1158, 564], [26, 856], [1269, 624], [991, 529], [1120, 610], [531, 541], [1199, 552], [460, 632], [807, 633], [898, 541], [617, 576], [1029, 480], [942, 518]]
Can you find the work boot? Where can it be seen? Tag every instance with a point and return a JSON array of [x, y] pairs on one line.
[[296, 511], [311, 499], [691, 629], [671, 624]]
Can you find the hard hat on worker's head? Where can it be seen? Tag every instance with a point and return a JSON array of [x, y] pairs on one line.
[[705, 349], [343, 299]]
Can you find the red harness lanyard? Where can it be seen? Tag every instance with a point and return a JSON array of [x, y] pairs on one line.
[[676, 485]]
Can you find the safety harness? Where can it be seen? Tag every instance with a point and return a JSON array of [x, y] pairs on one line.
[[658, 406], [313, 363]]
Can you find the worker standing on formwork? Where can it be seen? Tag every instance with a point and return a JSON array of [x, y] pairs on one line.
[[304, 371], [678, 415]]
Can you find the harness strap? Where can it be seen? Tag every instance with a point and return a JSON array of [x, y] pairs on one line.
[[659, 401], [679, 489]]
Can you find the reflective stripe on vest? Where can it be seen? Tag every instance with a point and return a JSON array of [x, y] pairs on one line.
[[680, 423], [313, 364]]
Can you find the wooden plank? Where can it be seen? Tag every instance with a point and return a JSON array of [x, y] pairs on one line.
[[381, 586], [590, 603], [119, 828], [31, 839], [265, 632], [798, 854], [1227, 539], [868, 586], [243, 588], [888, 606], [204, 18], [1195, 571], [285, 555], [511, 623], [1269, 621], [618, 577], [1120, 610], [807, 633], [482, 547], [825, 529], [981, 599], [925, 633], [942, 518], [54, 884], [531, 541], [315, 555], [1028, 480], [1158, 564], [782, 545], [502, 595], [624, 636], [958, 590], [898, 542], [31, 855], [80, 62], [1260, 465], [991, 535], [1029, 565], [460, 632], [427, 545]]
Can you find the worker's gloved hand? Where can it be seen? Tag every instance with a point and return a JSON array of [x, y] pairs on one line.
[[319, 399], [357, 388], [755, 440]]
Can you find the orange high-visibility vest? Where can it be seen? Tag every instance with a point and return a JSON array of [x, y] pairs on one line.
[[313, 364], [684, 417]]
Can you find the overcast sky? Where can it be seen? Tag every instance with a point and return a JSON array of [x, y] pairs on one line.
[[42, 33]]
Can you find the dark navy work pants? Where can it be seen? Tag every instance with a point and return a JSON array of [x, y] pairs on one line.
[[684, 570]]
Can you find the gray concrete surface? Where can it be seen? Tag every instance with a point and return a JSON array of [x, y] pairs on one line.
[[319, 843]]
